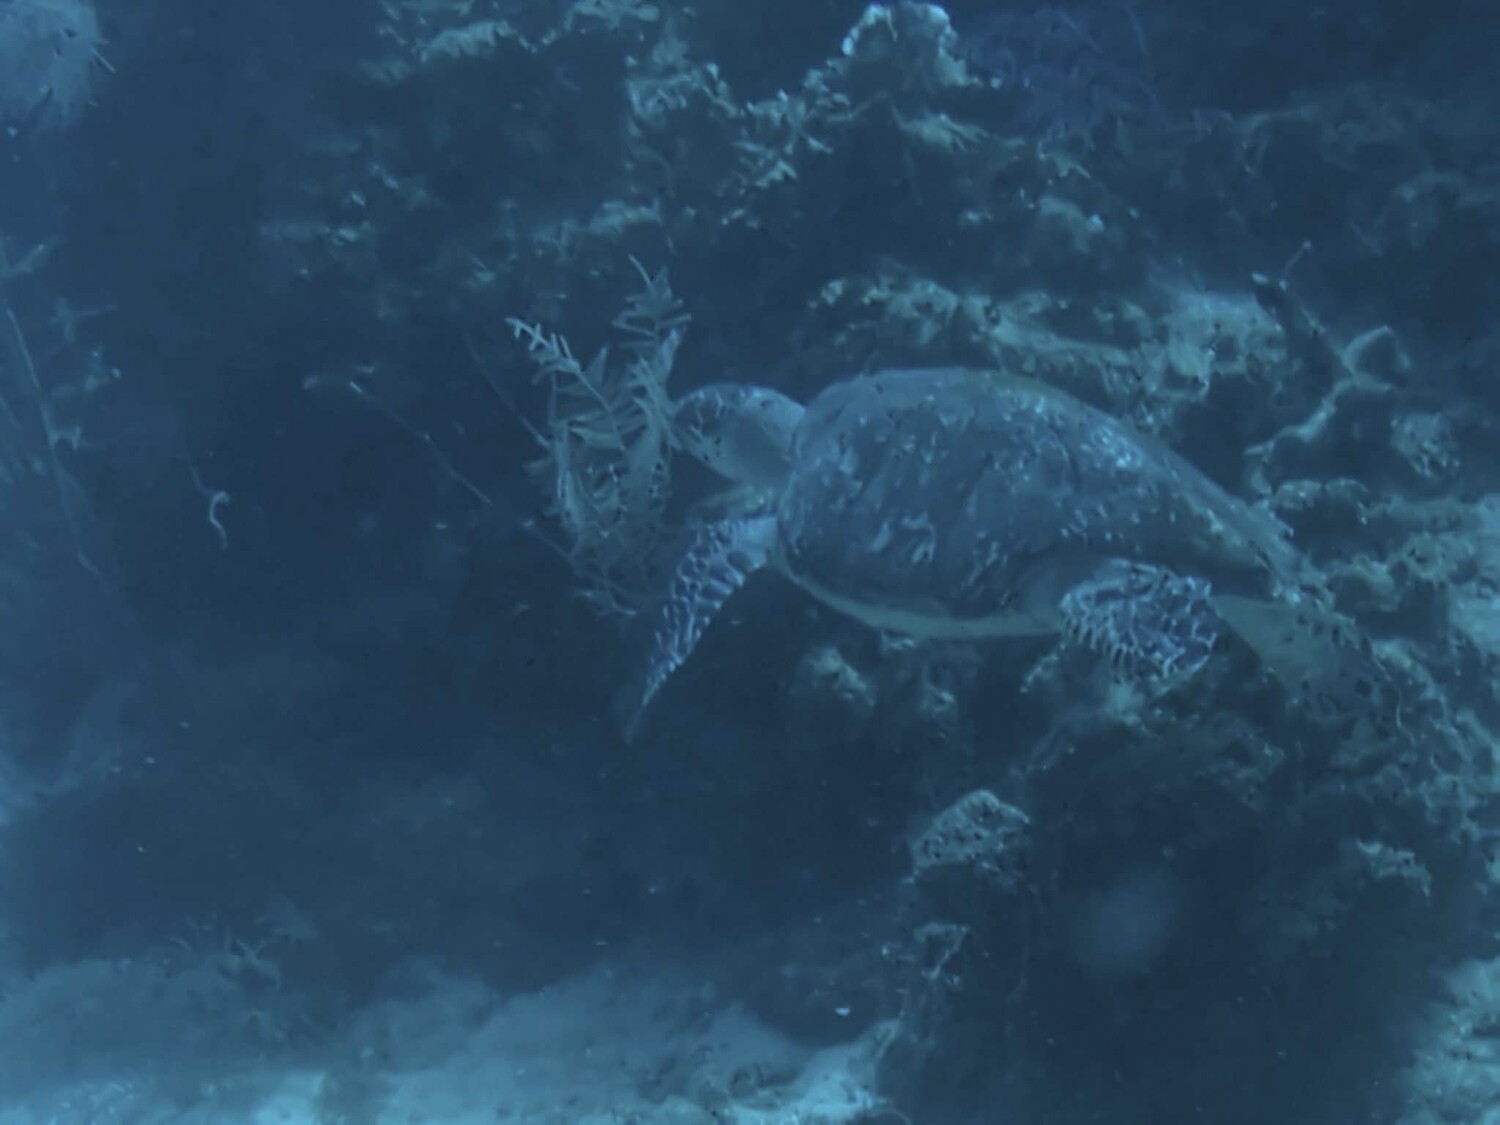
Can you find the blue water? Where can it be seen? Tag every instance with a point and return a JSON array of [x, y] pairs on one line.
[[345, 504]]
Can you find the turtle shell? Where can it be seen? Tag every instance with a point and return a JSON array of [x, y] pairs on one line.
[[955, 502]]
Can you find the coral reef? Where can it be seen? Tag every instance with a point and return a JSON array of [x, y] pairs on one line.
[[985, 883]]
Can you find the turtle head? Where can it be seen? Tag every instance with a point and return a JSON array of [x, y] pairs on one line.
[[743, 433]]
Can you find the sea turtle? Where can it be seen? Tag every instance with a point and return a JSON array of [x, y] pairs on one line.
[[955, 503]]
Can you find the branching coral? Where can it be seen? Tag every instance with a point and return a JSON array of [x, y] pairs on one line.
[[606, 441]]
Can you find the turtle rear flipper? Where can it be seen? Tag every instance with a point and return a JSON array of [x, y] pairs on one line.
[[1148, 621], [721, 556], [1317, 653]]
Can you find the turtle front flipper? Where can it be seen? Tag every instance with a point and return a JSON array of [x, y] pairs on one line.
[[721, 556], [1147, 620]]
